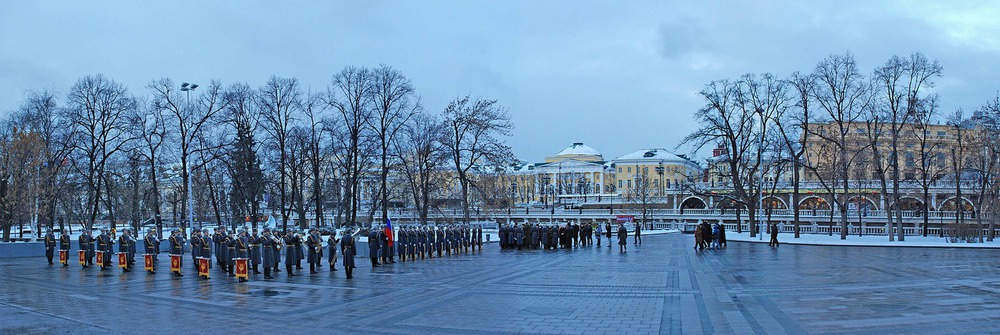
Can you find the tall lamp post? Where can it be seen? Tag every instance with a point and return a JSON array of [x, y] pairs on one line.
[[760, 178], [187, 88], [545, 191]]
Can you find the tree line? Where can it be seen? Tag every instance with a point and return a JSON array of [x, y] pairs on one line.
[[230, 154], [849, 131]]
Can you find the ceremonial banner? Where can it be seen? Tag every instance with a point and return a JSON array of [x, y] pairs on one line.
[[100, 258], [175, 263], [203, 266], [64, 257], [241, 268], [122, 260], [148, 261], [83, 257]]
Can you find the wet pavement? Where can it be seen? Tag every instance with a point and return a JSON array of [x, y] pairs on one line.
[[662, 286]]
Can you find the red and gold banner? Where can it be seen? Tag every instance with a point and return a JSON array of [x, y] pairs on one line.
[[203, 266], [175, 263], [64, 257], [241, 268], [100, 259], [83, 257], [148, 261], [122, 260]]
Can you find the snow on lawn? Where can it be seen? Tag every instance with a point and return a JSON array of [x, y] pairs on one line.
[[854, 240]]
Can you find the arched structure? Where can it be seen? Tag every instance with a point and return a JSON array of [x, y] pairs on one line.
[[861, 203], [909, 204], [949, 205], [773, 202], [693, 203], [814, 202]]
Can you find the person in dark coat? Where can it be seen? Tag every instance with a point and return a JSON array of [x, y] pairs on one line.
[[722, 235], [232, 242], [706, 235], [348, 249], [207, 243], [50, 246], [65, 244], [374, 243], [314, 245], [124, 245], [268, 243], [255, 257], [291, 256], [242, 243], [104, 244], [622, 238], [607, 232], [196, 241], [149, 244], [221, 251], [331, 250], [401, 245], [86, 242], [774, 235], [698, 238], [638, 234]]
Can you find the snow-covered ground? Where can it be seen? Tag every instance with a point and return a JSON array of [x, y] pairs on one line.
[[867, 241]]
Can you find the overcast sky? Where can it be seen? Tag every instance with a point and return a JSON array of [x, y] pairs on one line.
[[618, 76]]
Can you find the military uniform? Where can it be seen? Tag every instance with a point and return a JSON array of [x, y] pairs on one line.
[[255, 251], [314, 244], [150, 243], [231, 245], [87, 246], [207, 244], [65, 244], [268, 244], [242, 245], [291, 256], [348, 248], [50, 246], [331, 246], [104, 244], [125, 243]]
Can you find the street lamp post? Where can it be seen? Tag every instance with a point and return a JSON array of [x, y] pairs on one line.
[[187, 88]]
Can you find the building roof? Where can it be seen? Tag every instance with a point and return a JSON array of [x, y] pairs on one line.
[[577, 151], [655, 155]]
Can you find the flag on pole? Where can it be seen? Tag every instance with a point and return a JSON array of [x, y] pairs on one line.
[[388, 230]]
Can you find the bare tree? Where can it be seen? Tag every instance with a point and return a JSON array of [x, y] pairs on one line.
[[314, 109], [793, 133], [394, 103], [350, 95], [97, 107], [39, 114], [843, 95], [421, 154], [474, 129], [149, 128], [932, 163], [280, 101]]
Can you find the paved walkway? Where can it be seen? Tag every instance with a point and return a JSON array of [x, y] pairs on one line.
[[662, 286]]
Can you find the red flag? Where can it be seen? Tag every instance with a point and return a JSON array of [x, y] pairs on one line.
[[388, 230]]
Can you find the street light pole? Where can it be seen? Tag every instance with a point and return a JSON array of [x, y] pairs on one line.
[[187, 88]]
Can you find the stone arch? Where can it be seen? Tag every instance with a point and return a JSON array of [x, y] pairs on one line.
[[693, 203], [861, 203], [949, 205], [774, 202], [909, 204], [814, 202], [726, 203]]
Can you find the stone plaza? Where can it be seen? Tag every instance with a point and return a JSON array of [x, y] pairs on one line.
[[661, 286]]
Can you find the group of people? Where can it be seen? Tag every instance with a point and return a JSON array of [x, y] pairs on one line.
[[552, 236], [412, 241], [709, 236], [272, 246]]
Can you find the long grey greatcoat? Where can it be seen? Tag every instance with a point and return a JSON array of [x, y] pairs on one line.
[[314, 244], [255, 257], [268, 254], [622, 235], [348, 248], [373, 244], [331, 246]]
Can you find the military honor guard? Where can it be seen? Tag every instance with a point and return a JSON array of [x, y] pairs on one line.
[[242, 256], [125, 243], [348, 249], [268, 243], [151, 245], [374, 243], [176, 252], [291, 256], [331, 246], [217, 237], [255, 250], [231, 243], [64, 246], [207, 245], [50, 246], [104, 246], [86, 242], [315, 246]]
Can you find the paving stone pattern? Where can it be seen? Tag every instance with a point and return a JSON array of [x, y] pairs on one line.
[[662, 286]]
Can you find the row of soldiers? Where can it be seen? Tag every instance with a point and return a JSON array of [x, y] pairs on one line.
[[536, 236], [266, 250], [413, 241]]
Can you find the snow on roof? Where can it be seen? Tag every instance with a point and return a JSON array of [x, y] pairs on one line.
[[579, 149], [655, 154]]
